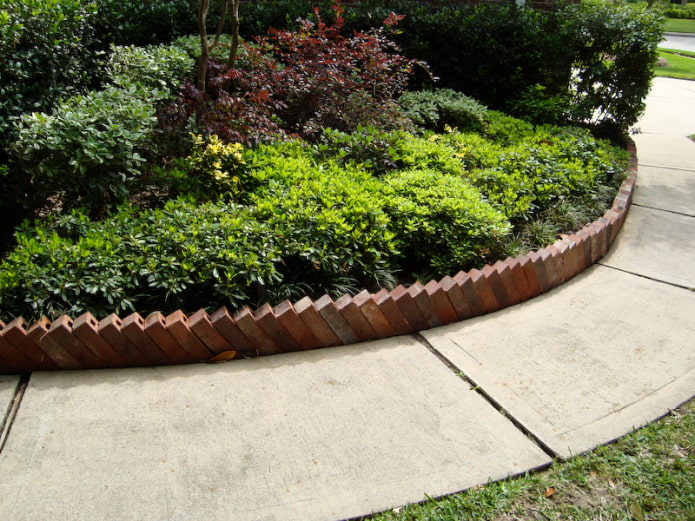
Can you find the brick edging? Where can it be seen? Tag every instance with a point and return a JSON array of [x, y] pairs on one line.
[[88, 343]]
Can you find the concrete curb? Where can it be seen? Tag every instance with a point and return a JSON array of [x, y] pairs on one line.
[[87, 343]]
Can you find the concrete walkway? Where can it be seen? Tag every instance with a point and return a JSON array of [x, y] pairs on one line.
[[343, 432]]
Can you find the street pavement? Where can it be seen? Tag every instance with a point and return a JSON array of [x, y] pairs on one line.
[[343, 432]]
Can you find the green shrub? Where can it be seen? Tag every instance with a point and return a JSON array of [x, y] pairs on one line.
[[435, 110], [88, 151], [181, 256], [159, 71], [441, 223]]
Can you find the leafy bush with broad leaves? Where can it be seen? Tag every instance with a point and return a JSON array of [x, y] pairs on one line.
[[157, 70], [435, 110], [88, 151], [442, 224]]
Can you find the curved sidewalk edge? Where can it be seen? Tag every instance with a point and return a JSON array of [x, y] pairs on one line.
[[134, 341]]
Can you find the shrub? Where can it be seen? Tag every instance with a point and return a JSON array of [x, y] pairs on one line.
[[88, 150], [434, 110], [441, 223], [298, 83], [181, 256], [159, 71]]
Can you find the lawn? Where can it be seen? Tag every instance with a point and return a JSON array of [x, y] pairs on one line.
[[649, 474], [681, 64], [679, 25]]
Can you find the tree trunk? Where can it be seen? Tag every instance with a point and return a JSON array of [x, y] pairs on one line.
[[203, 8], [234, 15]]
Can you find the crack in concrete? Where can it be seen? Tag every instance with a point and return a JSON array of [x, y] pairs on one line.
[[488, 398], [11, 412]]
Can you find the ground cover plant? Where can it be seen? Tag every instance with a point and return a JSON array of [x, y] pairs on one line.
[[648, 474], [306, 168]]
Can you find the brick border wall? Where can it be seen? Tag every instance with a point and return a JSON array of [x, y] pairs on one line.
[[88, 343]]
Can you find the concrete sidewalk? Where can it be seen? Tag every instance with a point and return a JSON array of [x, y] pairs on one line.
[[343, 432]]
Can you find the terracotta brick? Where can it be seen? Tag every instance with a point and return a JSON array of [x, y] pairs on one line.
[[497, 286], [314, 321], [515, 287], [554, 266], [261, 341], [354, 317], [13, 360], [61, 332], [573, 258], [425, 304], [583, 240], [224, 324], [470, 292], [295, 326], [534, 286], [86, 328], [335, 320], [456, 297], [616, 220], [202, 327], [133, 328], [539, 268], [596, 239], [484, 291], [369, 309], [519, 279], [442, 305], [411, 311], [110, 330], [177, 324], [38, 331], [155, 328], [608, 225], [268, 322], [16, 333], [392, 313]]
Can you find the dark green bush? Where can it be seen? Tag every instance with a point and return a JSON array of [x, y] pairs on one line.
[[88, 151], [435, 110]]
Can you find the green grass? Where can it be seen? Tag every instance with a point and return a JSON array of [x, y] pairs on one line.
[[679, 25], [681, 65], [647, 475]]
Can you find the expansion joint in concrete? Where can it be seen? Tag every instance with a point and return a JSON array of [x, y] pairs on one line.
[[11, 412], [488, 398], [657, 209], [672, 284]]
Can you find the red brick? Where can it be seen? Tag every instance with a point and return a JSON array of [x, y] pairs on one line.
[[423, 301], [295, 326], [177, 324], [573, 258], [456, 297], [268, 322], [616, 220], [314, 321], [513, 287], [470, 292], [86, 328], [61, 332], [526, 264], [224, 324], [247, 323], [354, 317], [608, 234], [369, 309], [555, 266], [335, 320], [518, 277], [13, 360], [583, 241], [133, 328], [392, 312], [442, 305], [156, 329], [411, 311], [484, 291], [200, 324], [16, 334], [38, 332], [597, 241], [539, 268], [110, 329]]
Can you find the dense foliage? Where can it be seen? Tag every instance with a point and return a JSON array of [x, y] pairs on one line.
[[306, 168]]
